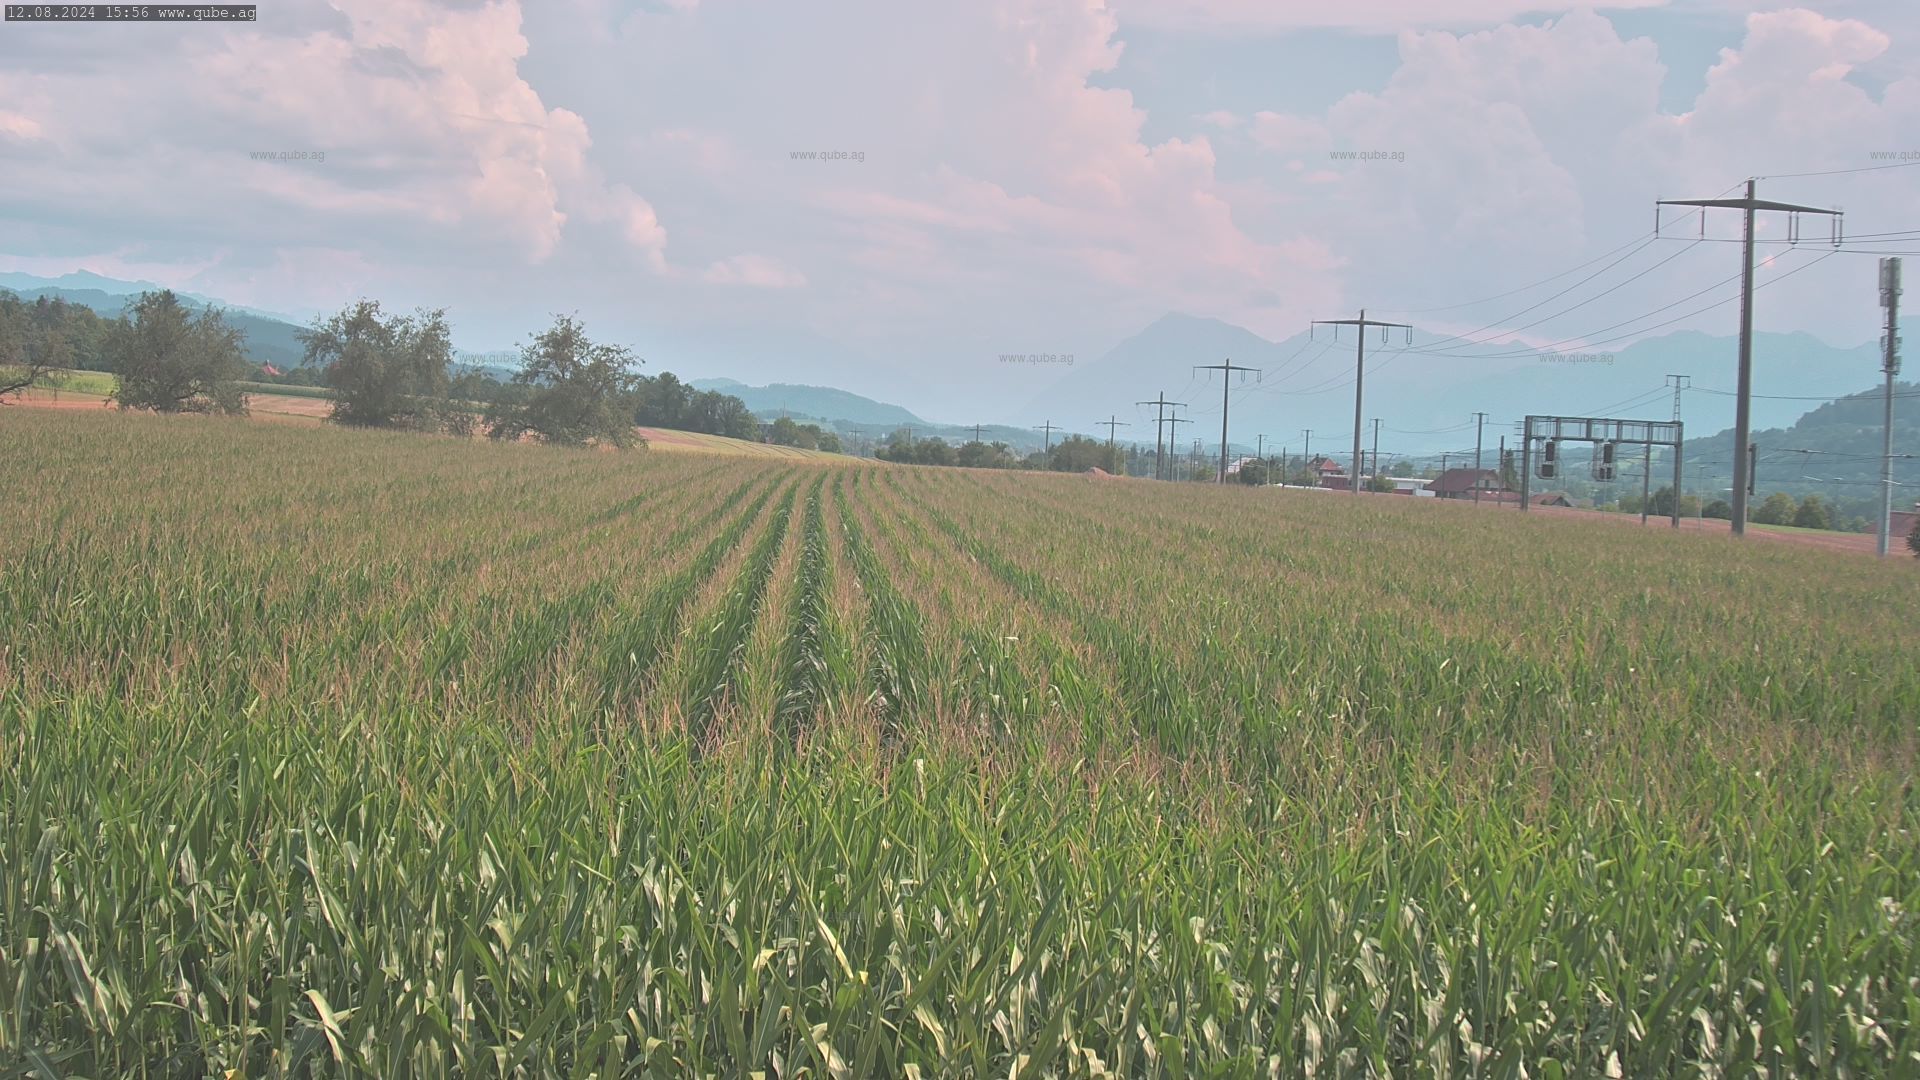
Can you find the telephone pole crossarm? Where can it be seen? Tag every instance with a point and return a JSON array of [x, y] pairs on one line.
[[1159, 421], [1743, 405], [1226, 369], [1360, 378]]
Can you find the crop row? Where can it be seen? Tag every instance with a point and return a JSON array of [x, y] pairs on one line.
[[329, 753]]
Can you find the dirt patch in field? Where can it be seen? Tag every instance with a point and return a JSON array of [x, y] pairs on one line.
[[266, 406], [39, 399]]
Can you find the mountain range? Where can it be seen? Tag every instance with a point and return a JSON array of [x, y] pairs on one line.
[[1427, 398], [1426, 393], [813, 403]]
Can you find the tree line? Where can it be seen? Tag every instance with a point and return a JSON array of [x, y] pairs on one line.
[[385, 370], [47, 334], [1075, 453]]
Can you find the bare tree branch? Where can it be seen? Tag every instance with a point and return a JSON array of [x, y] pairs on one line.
[[18, 375]]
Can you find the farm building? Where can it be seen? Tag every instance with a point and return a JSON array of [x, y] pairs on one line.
[[1903, 522], [1462, 483], [1331, 474]]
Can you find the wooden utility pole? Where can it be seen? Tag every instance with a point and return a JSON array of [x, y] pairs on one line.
[[1376, 447], [1110, 423], [1743, 405], [1049, 429], [1890, 364], [1226, 371], [1173, 451], [1360, 374], [1479, 481], [1159, 421]]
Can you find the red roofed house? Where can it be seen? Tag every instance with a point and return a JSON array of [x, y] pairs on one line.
[[1461, 484], [1902, 522], [1331, 473]]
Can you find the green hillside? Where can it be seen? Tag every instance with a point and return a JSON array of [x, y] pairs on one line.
[[1833, 451]]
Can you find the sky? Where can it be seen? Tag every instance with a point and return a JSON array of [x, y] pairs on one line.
[[988, 178]]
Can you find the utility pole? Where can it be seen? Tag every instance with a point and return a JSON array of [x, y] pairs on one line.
[[1479, 427], [1646, 484], [1159, 421], [976, 431], [1173, 450], [1743, 406], [1308, 452], [1679, 383], [1226, 371], [1376, 446], [1890, 364], [1049, 429], [1360, 373], [1110, 423]]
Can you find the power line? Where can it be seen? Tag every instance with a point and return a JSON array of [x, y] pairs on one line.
[[1226, 370], [1654, 235], [1361, 326], [1743, 409], [1839, 172], [1824, 256], [1462, 338], [1160, 418]]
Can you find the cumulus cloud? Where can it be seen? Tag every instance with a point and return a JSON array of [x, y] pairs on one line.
[[1007, 185], [397, 124], [1383, 16], [757, 271]]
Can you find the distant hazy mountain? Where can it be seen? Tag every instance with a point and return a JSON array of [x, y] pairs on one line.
[[1426, 400], [81, 280], [268, 340], [813, 402]]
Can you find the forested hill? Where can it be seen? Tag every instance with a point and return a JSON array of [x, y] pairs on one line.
[[1833, 450]]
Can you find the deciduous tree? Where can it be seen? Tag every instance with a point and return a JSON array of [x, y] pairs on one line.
[[385, 370], [171, 359], [578, 391]]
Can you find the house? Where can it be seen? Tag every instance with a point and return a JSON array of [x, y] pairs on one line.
[[1330, 473], [1462, 483], [1903, 522], [270, 371], [1552, 498]]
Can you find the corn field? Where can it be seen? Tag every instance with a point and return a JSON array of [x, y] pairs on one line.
[[329, 753]]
